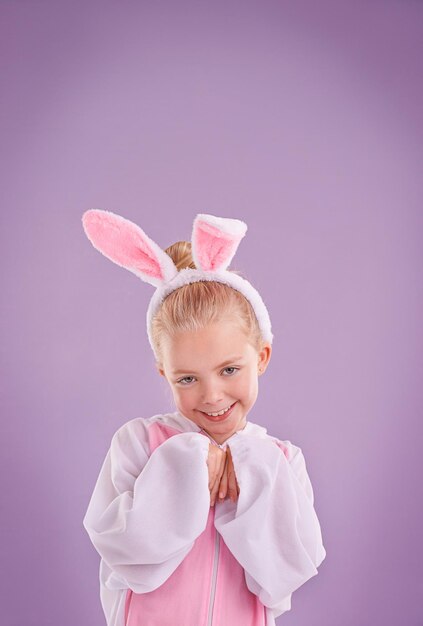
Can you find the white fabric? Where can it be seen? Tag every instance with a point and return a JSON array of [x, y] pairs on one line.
[[189, 275], [272, 530]]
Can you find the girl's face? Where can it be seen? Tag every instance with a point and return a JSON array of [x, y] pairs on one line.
[[210, 370]]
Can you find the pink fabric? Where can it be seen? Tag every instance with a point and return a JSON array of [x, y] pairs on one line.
[[284, 449], [213, 246], [158, 433], [127, 603], [235, 605], [122, 241], [184, 598]]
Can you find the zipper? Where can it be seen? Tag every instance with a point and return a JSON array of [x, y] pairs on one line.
[[214, 578], [222, 446]]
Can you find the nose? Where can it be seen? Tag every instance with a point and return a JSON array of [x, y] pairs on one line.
[[211, 394]]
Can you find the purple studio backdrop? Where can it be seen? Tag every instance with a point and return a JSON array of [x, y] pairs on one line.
[[304, 119]]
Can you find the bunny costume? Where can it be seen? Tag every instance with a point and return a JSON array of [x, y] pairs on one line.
[[167, 557]]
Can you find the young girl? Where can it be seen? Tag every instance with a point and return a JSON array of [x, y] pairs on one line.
[[200, 517]]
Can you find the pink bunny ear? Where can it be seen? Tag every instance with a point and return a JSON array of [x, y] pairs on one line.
[[215, 240], [127, 245]]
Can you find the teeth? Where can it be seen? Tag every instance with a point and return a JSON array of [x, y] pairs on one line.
[[220, 412]]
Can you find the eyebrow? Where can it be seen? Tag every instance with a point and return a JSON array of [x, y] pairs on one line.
[[235, 358]]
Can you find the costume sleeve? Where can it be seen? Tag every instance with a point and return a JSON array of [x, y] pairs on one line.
[[272, 529], [146, 511]]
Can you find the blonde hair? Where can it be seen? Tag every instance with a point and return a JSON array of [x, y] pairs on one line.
[[196, 305]]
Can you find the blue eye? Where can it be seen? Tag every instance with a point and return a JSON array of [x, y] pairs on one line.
[[181, 380]]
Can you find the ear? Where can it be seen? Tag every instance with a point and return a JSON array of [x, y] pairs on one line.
[[215, 240], [127, 245], [159, 368], [264, 357]]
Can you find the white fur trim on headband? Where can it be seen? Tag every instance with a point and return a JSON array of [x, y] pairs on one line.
[[214, 242], [189, 275]]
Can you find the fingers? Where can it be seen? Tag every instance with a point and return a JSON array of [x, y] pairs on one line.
[[223, 487], [233, 488], [222, 478], [228, 483], [212, 463], [221, 469], [215, 462], [232, 492]]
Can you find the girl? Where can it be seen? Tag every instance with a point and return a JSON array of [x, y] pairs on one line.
[[200, 517]]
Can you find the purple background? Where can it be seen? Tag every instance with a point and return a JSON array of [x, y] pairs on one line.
[[305, 120]]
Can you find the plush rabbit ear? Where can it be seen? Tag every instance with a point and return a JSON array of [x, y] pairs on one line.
[[215, 240], [127, 245]]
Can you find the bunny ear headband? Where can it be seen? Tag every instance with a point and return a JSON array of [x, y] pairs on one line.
[[214, 242]]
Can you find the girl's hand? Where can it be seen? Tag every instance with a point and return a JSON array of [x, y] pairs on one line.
[[228, 483], [216, 463]]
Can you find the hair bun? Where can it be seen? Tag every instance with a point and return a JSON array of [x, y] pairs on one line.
[[181, 255]]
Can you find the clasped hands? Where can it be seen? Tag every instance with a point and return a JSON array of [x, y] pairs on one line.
[[222, 478]]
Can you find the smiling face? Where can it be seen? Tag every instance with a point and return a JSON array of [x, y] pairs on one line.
[[212, 369]]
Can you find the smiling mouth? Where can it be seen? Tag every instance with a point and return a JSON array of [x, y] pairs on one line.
[[219, 414]]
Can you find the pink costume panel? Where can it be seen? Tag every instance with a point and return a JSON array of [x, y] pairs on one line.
[[209, 583], [169, 558], [192, 595]]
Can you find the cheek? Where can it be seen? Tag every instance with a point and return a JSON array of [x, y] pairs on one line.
[[183, 396], [247, 387]]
